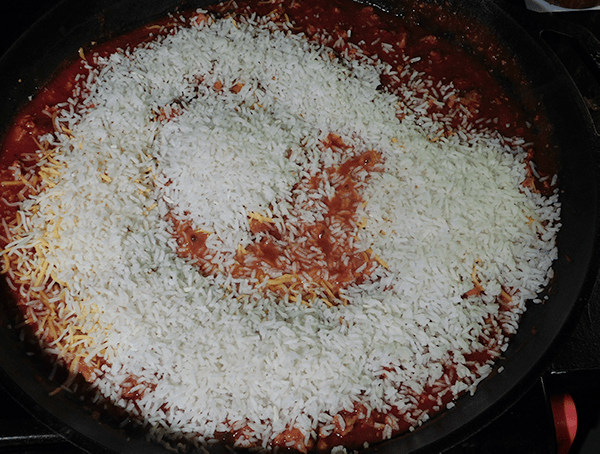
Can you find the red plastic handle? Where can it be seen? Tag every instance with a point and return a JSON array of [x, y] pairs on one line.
[[565, 421]]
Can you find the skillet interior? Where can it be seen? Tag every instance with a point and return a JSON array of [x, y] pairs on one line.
[[73, 24]]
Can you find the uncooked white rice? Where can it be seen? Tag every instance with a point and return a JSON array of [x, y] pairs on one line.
[[148, 136]]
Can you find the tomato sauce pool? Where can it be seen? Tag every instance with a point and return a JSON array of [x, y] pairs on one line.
[[483, 99]]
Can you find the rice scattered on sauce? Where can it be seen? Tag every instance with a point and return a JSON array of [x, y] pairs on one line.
[[142, 250]]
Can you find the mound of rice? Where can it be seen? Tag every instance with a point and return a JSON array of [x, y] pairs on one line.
[[159, 131]]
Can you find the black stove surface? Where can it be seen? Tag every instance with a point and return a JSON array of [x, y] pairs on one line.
[[527, 426]]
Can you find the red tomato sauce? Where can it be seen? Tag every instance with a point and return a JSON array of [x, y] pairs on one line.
[[319, 257]]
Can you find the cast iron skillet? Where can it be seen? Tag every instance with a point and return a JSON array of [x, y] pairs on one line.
[[57, 37]]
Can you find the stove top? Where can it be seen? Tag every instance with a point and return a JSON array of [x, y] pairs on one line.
[[527, 427]]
